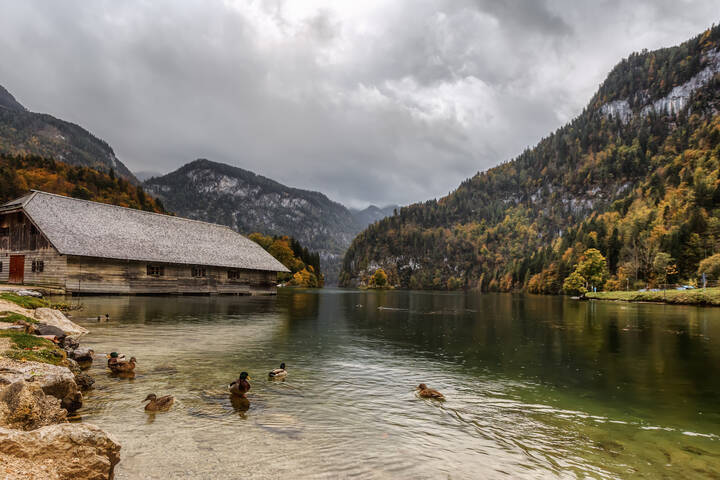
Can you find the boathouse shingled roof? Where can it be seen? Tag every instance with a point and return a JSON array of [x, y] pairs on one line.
[[91, 229]]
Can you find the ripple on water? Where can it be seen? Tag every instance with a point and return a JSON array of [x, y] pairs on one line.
[[348, 407]]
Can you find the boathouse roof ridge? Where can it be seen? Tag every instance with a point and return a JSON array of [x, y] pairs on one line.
[[91, 229]]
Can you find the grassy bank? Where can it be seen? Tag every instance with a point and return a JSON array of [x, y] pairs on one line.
[[30, 303], [12, 317], [707, 296], [31, 348]]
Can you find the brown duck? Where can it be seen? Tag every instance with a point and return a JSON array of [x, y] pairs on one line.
[[123, 367], [240, 386], [158, 404], [426, 392]]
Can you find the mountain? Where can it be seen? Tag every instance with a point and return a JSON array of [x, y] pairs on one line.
[[372, 214], [248, 203], [143, 175], [8, 102], [636, 175], [21, 173], [25, 132]]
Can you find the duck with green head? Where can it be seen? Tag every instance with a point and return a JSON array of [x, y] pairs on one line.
[[278, 372], [240, 386], [114, 357], [122, 366]]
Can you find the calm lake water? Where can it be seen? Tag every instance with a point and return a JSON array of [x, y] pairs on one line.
[[536, 387]]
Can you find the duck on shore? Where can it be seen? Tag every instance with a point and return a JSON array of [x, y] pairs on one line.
[[240, 386], [278, 372], [426, 392], [158, 404]]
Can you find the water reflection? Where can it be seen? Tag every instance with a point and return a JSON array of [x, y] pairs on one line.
[[536, 386]]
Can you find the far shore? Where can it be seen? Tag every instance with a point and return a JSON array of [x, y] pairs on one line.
[[697, 296]]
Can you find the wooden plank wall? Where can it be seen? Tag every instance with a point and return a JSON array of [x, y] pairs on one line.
[[19, 237], [97, 275]]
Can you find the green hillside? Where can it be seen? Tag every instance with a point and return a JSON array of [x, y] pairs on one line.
[[635, 175]]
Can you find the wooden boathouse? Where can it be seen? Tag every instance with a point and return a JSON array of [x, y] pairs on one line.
[[88, 247]]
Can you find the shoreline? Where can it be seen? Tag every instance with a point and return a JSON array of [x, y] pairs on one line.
[[41, 388], [707, 297]]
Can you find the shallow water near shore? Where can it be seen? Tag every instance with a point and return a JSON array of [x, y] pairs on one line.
[[536, 387]]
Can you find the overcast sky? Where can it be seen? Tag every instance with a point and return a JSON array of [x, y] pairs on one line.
[[368, 101]]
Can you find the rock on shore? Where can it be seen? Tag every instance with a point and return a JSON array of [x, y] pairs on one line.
[[56, 381], [66, 451], [36, 442], [35, 439], [56, 318], [25, 406]]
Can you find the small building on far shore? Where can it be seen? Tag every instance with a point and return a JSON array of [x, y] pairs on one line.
[[87, 247]]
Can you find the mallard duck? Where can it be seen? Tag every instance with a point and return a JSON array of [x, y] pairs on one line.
[[240, 386], [123, 367], [426, 392], [158, 404], [114, 357], [279, 372]]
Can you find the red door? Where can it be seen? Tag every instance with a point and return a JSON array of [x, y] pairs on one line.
[[17, 268]]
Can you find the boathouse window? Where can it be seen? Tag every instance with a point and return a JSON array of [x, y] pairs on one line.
[[4, 231], [199, 272], [38, 266], [155, 270], [233, 274], [0, 267]]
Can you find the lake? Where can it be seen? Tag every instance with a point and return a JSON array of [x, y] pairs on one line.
[[536, 386]]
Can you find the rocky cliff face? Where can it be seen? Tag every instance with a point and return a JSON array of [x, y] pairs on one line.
[[246, 202], [22, 131]]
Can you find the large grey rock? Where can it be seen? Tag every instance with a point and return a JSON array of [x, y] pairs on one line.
[[54, 380], [44, 329], [58, 319], [77, 451], [82, 354], [25, 406]]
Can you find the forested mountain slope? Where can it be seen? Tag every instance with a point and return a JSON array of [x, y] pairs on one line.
[[25, 132], [20, 174], [635, 175], [246, 202]]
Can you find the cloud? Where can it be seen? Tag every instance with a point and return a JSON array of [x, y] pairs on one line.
[[369, 102]]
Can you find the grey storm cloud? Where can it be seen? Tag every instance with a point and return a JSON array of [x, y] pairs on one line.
[[369, 102]]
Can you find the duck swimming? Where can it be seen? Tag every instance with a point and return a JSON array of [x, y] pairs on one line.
[[278, 372], [158, 404], [114, 357], [426, 392], [122, 367], [240, 386]]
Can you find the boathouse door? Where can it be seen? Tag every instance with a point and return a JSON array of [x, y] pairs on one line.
[[17, 269]]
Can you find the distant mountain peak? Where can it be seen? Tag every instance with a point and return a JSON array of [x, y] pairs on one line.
[[8, 102], [26, 132], [247, 202]]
